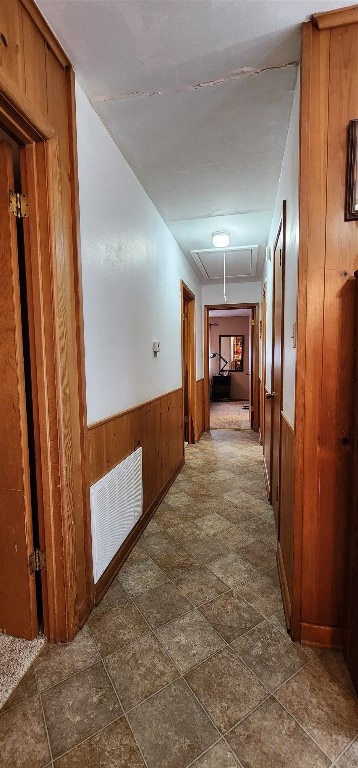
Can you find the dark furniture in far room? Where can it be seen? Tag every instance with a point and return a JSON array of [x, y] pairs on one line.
[[220, 388]]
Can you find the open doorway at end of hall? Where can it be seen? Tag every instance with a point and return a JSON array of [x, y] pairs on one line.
[[231, 367]]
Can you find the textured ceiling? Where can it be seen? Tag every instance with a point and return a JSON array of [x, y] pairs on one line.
[[197, 95]]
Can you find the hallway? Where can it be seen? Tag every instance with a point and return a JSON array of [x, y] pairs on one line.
[[186, 662]]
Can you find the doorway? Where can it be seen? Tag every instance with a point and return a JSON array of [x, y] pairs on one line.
[[231, 361], [20, 575], [188, 363], [273, 391]]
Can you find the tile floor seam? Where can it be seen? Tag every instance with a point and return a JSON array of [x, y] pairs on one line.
[[230, 589], [136, 742], [325, 671], [249, 670], [345, 750], [130, 642], [88, 738], [192, 764], [142, 701], [308, 661], [73, 674], [169, 654], [240, 765], [304, 728], [46, 727], [3, 711], [124, 714], [250, 712], [338, 682]]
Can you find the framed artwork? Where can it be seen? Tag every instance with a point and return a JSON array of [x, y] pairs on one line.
[[232, 350], [352, 172]]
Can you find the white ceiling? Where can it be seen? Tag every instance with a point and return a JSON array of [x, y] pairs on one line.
[[197, 94]]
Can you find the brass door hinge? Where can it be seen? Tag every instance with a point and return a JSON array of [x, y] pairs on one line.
[[18, 205], [37, 560]]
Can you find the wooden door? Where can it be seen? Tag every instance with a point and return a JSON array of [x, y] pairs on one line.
[[18, 612], [277, 362], [351, 623], [188, 363], [185, 371]]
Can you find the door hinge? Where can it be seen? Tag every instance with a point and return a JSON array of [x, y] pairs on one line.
[[37, 560], [276, 492], [18, 205]]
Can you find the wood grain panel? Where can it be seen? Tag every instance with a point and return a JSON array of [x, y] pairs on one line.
[[11, 41], [157, 426], [321, 636], [286, 522], [313, 168], [37, 102], [336, 18], [34, 51], [200, 409], [351, 618], [328, 257]]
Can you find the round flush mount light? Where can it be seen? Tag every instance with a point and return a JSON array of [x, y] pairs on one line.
[[221, 239]]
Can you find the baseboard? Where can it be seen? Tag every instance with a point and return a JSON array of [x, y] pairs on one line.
[[286, 599], [119, 559], [320, 636], [199, 435]]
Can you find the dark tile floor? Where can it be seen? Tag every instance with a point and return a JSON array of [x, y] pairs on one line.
[[187, 662]]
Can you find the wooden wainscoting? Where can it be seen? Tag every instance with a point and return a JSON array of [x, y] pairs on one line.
[[156, 426], [285, 528], [200, 409]]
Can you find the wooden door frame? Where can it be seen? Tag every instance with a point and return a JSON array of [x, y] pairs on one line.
[[51, 280], [189, 297], [281, 230], [263, 335], [254, 378]]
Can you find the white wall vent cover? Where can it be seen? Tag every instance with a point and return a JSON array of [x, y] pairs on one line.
[[116, 505]]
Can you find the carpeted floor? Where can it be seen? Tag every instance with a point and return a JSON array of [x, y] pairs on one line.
[[230, 415], [16, 656]]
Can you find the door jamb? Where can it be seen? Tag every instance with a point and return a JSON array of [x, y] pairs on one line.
[[44, 256], [254, 378], [189, 298]]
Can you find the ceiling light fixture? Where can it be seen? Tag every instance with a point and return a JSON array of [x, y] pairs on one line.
[[221, 239]]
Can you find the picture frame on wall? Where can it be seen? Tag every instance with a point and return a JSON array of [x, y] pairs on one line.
[[351, 212]]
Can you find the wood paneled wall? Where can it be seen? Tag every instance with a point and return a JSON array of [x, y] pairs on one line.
[[37, 105], [327, 259], [156, 426], [286, 518], [200, 409]]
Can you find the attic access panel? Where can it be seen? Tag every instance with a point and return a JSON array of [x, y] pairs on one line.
[[240, 262]]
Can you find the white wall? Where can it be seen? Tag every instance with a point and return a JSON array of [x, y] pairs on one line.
[[131, 272], [236, 293], [288, 189]]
